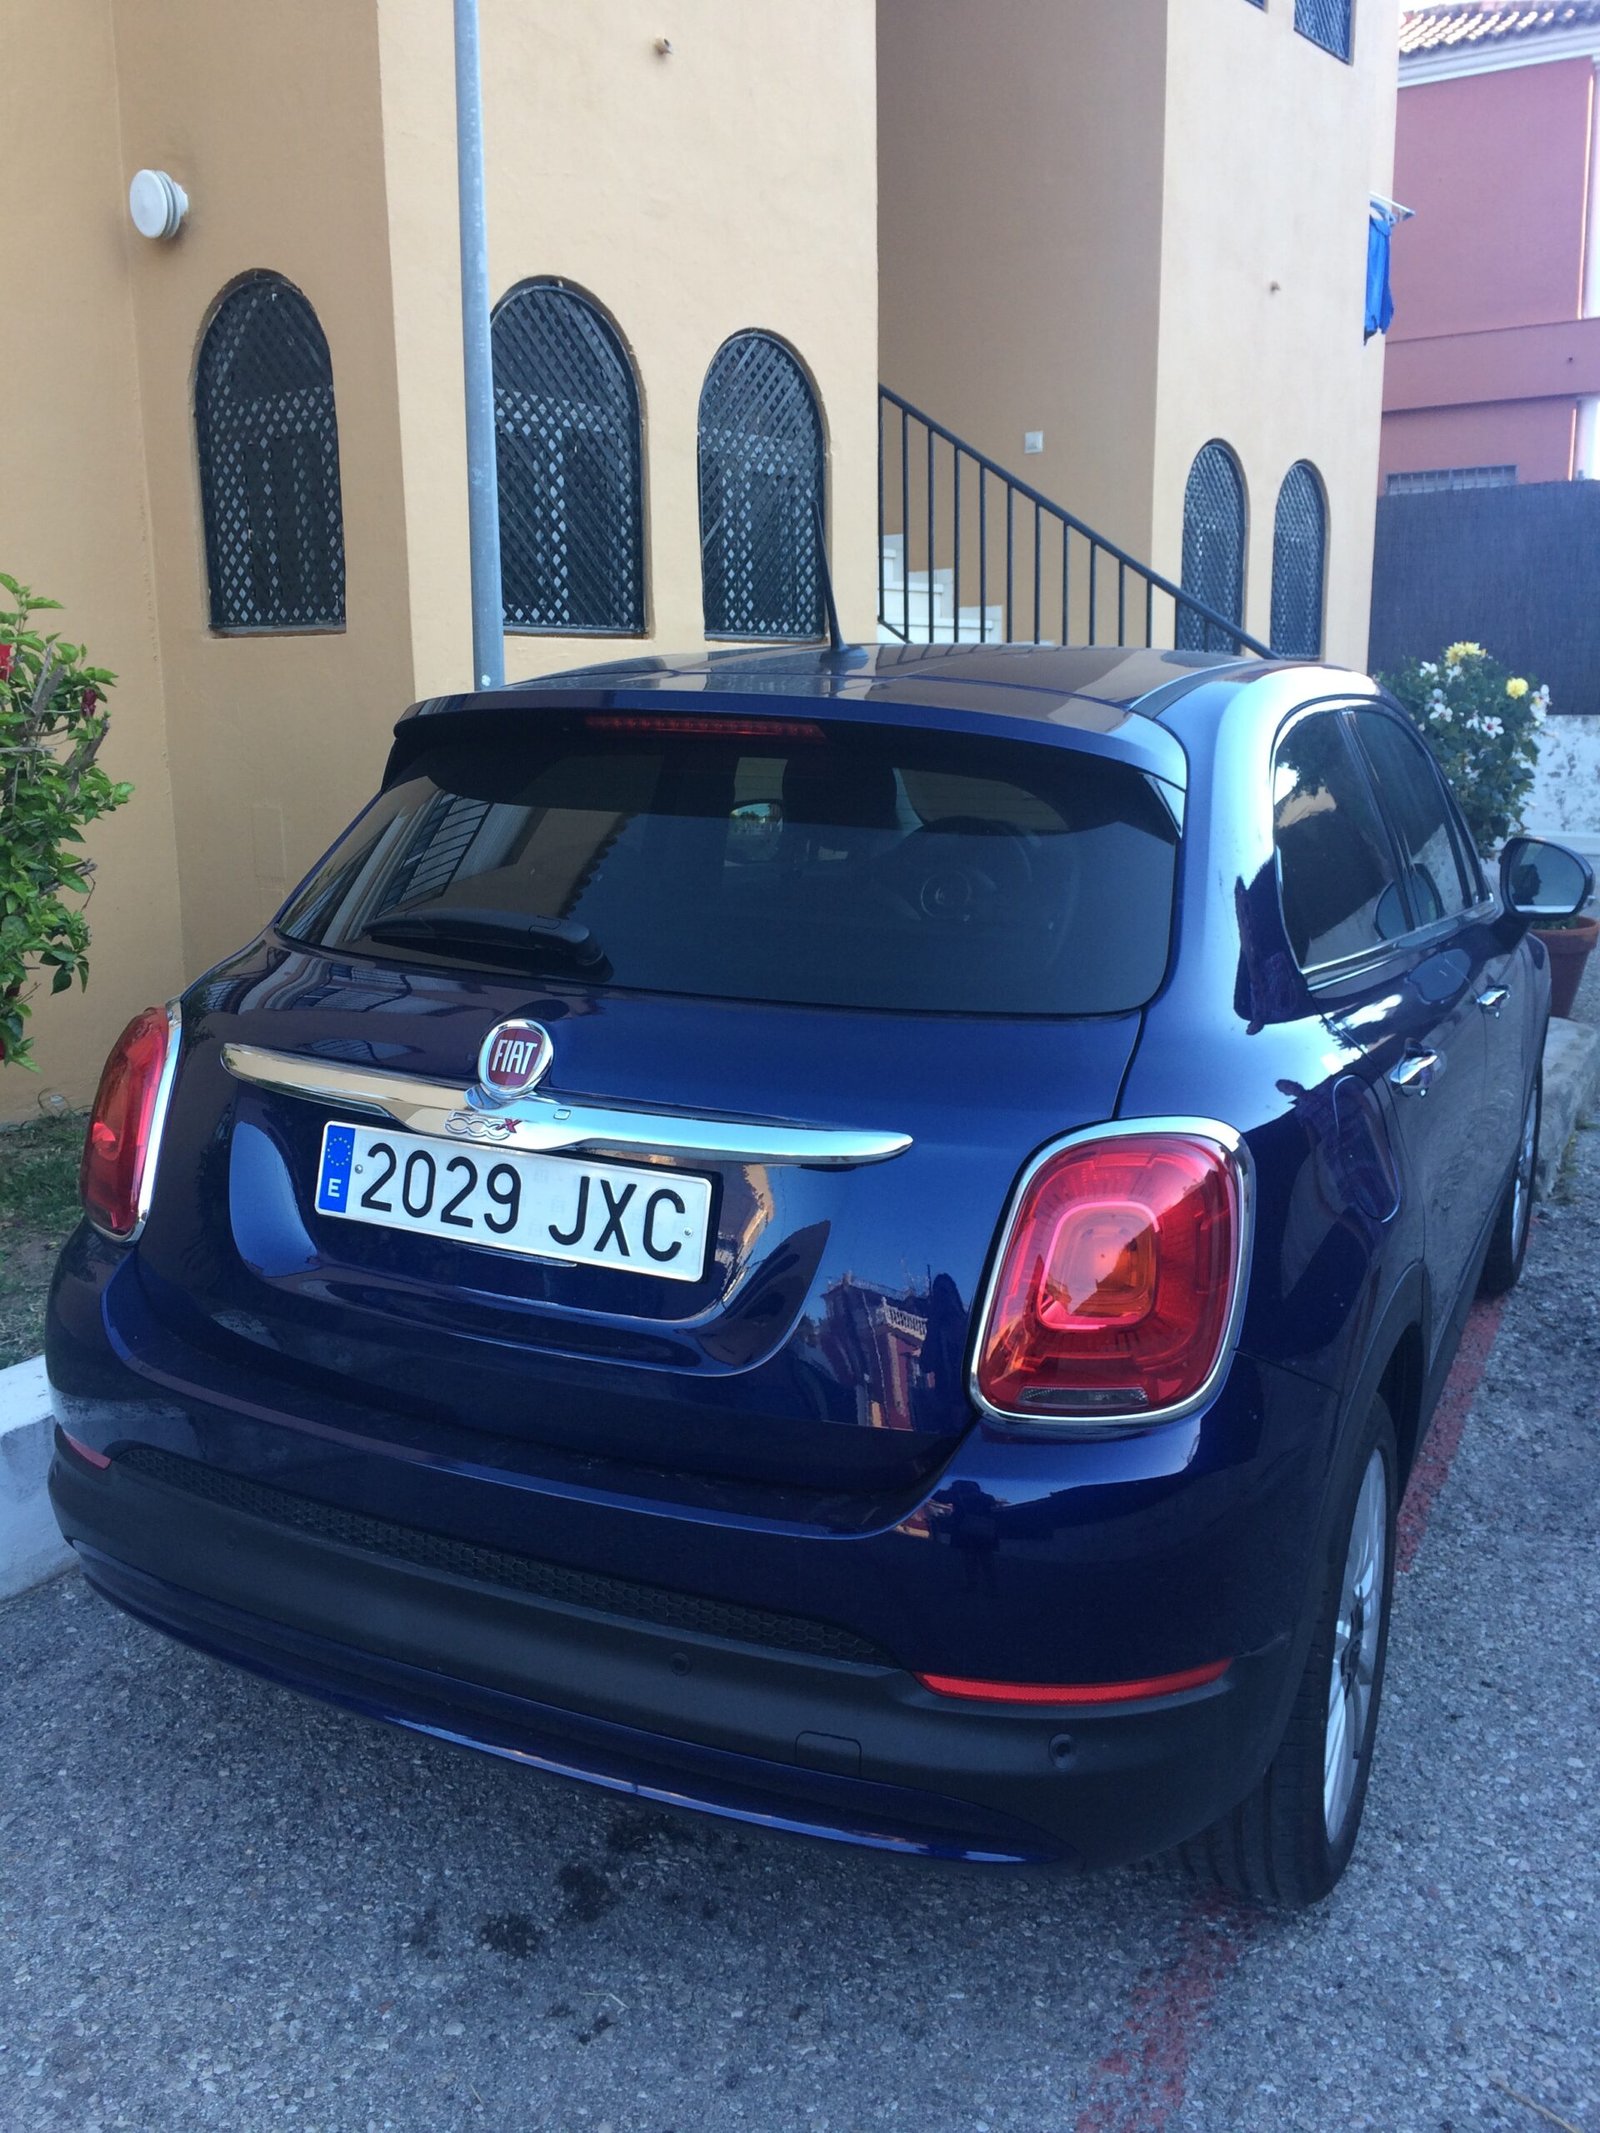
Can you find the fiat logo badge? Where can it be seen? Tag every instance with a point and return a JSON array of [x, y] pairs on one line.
[[513, 1058]]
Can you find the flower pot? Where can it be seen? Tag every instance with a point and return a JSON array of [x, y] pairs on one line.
[[1569, 948]]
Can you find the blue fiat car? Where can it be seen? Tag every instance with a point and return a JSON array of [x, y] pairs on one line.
[[862, 1241]]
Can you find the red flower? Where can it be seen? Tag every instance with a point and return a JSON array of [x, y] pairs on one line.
[[8, 653], [91, 696]]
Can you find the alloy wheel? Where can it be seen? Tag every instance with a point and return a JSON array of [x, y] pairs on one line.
[[1356, 1638]]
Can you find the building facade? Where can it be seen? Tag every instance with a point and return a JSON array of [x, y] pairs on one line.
[[1493, 371], [1139, 233], [238, 456]]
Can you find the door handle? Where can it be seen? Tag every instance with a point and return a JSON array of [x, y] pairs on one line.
[[1494, 999], [1415, 1072]]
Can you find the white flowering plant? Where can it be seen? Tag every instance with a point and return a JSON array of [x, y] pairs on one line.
[[1482, 724]]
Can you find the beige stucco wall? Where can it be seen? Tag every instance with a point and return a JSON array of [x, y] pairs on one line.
[[1137, 226], [1272, 148], [1020, 174], [729, 185], [73, 519], [271, 119]]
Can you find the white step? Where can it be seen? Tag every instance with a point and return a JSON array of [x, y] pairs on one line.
[[911, 599], [972, 627]]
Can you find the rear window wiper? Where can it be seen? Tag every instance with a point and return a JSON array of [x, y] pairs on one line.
[[518, 936]]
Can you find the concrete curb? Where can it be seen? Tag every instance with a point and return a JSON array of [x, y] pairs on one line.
[[1571, 1077], [31, 1549]]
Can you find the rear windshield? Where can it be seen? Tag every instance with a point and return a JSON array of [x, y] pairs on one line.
[[779, 860]]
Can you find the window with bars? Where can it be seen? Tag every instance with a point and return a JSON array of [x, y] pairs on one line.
[[1299, 563], [1213, 548], [761, 493], [567, 448], [268, 444], [1326, 22], [1424, 480]]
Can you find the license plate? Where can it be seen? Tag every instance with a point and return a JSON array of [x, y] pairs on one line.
[[542, 1206]]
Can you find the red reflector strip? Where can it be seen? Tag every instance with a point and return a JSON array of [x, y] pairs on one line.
[[85, 1452], [739, 729], [1194, 1677]]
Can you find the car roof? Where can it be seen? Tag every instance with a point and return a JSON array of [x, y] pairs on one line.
[[1105, 698]]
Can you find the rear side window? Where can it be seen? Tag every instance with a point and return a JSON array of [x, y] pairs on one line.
[[1336, 870], [1441, 875], [766, 860]]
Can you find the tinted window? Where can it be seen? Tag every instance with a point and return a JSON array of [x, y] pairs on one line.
[[1437, 865], [824, 866], [1336, 871]]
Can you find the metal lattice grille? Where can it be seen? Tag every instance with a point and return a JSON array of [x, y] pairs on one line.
[[1213, 547], [1325, 22], [566, 414], [1299, 556], [1422, 480], [761, 490], [269, 463]]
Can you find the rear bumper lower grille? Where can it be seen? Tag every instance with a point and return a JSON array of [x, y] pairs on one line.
[[641, 1689], [596, 1591]]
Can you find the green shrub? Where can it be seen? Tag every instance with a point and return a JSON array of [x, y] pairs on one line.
[[1482, 723], [52, 723]]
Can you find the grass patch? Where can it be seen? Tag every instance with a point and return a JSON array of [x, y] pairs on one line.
[[38, 1211]]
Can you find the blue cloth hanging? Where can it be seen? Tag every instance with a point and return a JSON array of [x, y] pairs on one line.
[[1380, 298]]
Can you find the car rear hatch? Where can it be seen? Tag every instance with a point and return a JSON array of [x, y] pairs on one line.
[[806, 994]]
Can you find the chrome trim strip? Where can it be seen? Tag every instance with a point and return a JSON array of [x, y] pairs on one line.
[[1032, 1422], [542, 1123], [152, 1146]]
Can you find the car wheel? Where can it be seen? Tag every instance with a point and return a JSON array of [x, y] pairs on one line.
[[1288, 1842], [1508, 1247]]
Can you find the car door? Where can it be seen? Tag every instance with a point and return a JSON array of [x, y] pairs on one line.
[[1461, 980], [1393, 983]]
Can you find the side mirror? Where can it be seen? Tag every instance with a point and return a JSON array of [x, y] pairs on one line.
[[1539, 880]]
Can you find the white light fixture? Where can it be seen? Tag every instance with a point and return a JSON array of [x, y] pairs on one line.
[[157, 204]]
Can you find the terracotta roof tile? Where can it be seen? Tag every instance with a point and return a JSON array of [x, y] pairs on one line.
[[1469, 22]]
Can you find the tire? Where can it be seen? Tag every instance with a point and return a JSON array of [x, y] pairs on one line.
[[1508, 1247], [1289, 1841]]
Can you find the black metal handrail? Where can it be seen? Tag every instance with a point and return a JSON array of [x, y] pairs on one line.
[[1047, 533]]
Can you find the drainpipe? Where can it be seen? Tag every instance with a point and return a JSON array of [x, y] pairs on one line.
[[483, 487]]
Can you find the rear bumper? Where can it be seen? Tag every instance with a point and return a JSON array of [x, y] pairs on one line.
[[843, 1748]]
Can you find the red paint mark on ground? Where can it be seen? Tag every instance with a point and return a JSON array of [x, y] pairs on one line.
[[1140, 2083], [1443, 1440]]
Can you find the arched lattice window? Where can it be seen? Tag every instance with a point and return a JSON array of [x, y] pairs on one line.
[[566, 410], [761, 490], [1299, 562], [1213, 547], [269, 463]]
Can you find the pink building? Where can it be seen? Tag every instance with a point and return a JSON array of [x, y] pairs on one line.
[[1493, 366]]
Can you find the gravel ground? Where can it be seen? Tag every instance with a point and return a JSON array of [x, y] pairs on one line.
[[223, 1906]]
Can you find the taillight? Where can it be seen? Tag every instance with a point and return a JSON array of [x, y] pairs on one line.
[[119, 1151], [1117, 1278]]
